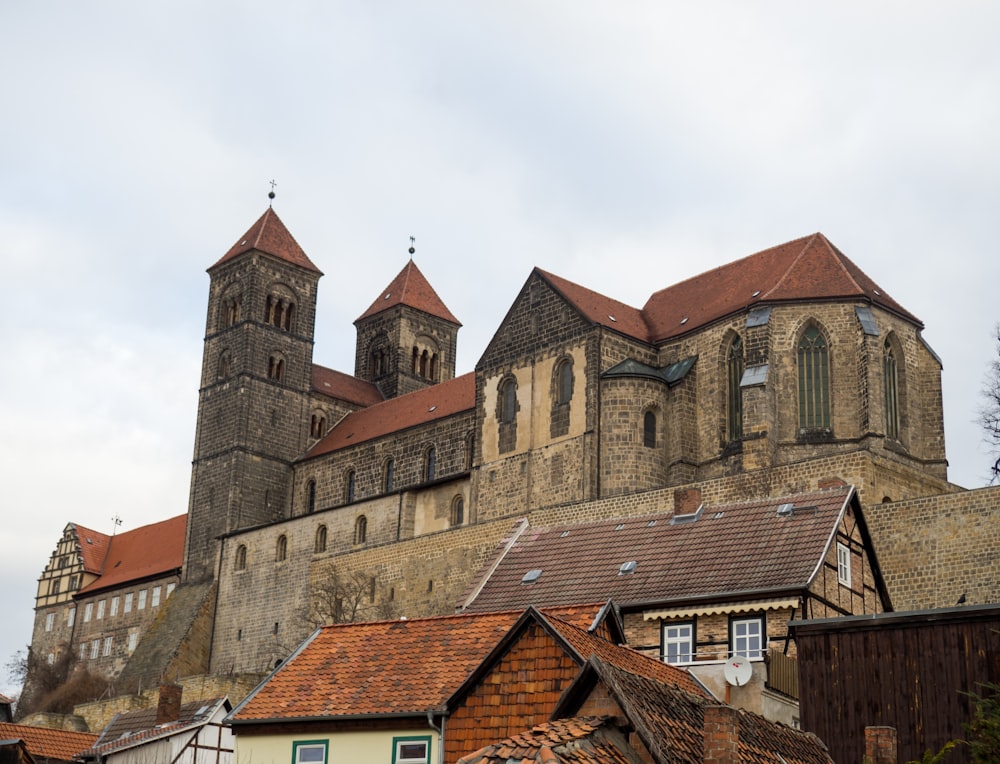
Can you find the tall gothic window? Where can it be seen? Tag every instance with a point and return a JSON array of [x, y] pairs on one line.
[[430, 459], [508, 401], [814, 381], [734, 395], [649, 429], [564, 382], [457, 511], [350, 486], [890, 372], [225, 362], [312, 497], [239, 564], [281, 549], [387, 476], [320, 544], [360, 529]]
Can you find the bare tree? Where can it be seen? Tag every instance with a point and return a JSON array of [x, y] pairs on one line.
[[989, 413], [346, 598]]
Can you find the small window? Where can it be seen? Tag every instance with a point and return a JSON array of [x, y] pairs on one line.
[[115, 601], [320, 545], [55, 585], [278, 312], [564, 382], [88, 612], [351, 479], [281, 549], [133, 640], [843, 564], [240, 562], [128, 603], [457, 511], [83, 651], [107, 647], [50, 621], [95, 649], [678, 642], [276, 368], [170, 589], [155, 601], [71, 617], [429, 464], [649, 430], [311, 497], [508, 401], [309, 752], [415, 750], [387, 476], [142, 600], [361, 530], [225, 364], [747, 637], [100, 609]]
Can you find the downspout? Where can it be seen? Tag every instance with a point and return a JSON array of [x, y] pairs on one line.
[[430, 723]]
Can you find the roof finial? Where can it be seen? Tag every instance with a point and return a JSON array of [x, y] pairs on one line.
[[412, 248], [115, 522], [271, 194]]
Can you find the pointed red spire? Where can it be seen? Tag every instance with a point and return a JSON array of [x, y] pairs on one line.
[[410, 288], [269, 235]]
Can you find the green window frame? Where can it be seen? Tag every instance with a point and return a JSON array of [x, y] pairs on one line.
[[305, 751], [404, 749]]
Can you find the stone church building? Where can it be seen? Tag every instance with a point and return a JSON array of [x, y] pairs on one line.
[[318, 495]]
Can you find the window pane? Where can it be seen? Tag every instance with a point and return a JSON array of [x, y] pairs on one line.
[[308, 753]]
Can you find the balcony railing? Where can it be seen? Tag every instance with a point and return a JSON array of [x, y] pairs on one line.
[[782, 674]]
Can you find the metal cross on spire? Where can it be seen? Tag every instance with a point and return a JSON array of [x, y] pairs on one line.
[[271, 194], [412, 248]]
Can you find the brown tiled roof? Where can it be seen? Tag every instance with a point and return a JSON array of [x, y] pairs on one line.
[[43, 742], [416, 408], [269, 235], [807, 269], [375, 669], [148, 551], [580, 740], [133, 727], [670, 722], [93, 547], [410, 288], [729, 549], [344, 387]]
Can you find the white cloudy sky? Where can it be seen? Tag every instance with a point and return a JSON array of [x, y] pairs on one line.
[[622, 145]]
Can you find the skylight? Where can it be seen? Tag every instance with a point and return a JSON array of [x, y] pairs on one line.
[[688, 518], [627, 568], [531, 576]]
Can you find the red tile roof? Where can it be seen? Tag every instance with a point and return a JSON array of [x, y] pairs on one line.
[[133, 728], [336, 384], [270, 236], [580, 740], [93, 547], [733, 548], [396, 414], [807, 269], [410, 288], [376, 669], [43, 742], [151, 550]]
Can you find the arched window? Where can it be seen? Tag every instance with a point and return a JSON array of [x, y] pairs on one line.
[[317, 425], [379, 361], [734, 395], [814, 381], [470, 450], [311, 501], [387, 476], [278, 311], [276, 368], [508, 400], [429, 464], [350, 486], [564, 382], [457, 511], [281, 548], [240, 563], [229, 308], [320, 545], [360, 529], [890, 373], [225, 362], [649, 429]]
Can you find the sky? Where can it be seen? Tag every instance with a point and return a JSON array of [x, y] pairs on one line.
[[624, 146]]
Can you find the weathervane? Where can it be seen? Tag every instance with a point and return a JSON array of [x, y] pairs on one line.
[[115, 521], [271, 194], [412, 248]]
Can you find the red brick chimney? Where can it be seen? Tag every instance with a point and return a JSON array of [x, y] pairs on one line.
[[880, 745], [168, 708], [687, 501], [722, 735]]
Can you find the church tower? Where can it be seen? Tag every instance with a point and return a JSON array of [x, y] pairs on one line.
[[407, 338], [254, 395]]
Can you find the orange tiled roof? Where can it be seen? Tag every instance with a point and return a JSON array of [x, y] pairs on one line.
[[270, 236], [132, 728], [93, 547], [148, 551], [806, 269], [580, 740], [375, 669], [48, 743], [396, 414], [738, 548], [344, 387], [410, 288]]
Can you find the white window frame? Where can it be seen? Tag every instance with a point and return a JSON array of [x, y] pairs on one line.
[[83, 651], [127, 608], [303, 751], [843, 564], [133, 640], [744, 633], [141, 605], [95, 648], [100, 609], [678, 642], [397, 750], [155, 599], [71, 617], [88, 611], [170, 589], [114, 605], [108, 641], [50, 621]]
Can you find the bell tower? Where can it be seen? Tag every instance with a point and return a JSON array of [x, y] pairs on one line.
[[255, 384]]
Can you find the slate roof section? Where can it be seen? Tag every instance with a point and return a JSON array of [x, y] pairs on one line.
[[269, 235], [396, 414], [670, 722], [149, 551], [580, 740], [43, 742], [133, 728], [344, 387], [803, 270], [410, 288], [738, 550]]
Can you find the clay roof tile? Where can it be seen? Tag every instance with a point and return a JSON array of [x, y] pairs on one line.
[[412, 289], [269, 235]]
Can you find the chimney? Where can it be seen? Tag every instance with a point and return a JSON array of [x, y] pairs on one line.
[[687, 501], [168, 708], [880, 745], [722, 735]]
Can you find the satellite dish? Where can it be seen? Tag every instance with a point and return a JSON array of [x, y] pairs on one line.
[[738, 671]]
